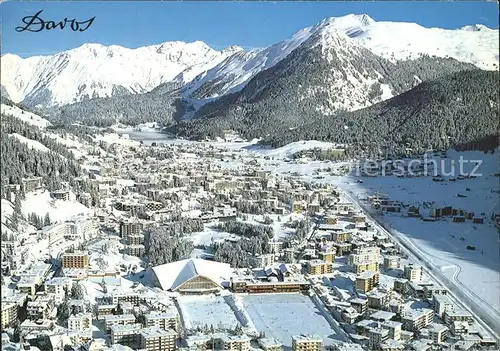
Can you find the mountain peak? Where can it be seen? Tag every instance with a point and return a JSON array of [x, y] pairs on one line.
[[347, 21], [475, 28], [232, 49]]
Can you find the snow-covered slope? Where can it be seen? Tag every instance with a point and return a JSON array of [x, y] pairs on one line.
[[292, 148], [231, 74], [392, 40], [25, 116], [94, 70], [32, 144], [59, 210]]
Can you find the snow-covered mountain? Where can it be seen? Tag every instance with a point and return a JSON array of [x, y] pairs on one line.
[[94, 70], [474, 44]]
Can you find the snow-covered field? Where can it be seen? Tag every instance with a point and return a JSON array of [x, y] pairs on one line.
[[206, 310], [113, 138], [290, 149], [59, 210], [208, 236], [282, 315]]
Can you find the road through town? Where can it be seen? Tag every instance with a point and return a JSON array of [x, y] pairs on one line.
[[489, 319]]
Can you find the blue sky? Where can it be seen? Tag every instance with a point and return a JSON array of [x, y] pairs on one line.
[[219, 24]]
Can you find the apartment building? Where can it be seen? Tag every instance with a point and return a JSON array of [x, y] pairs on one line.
[[377, 336], [31, 184], [288, 255], [156, 339], [126, 335], [366, 281], [41, 307], [441, 304], [316, 267], [414, 320], [378, 300], [270, 344], [77, 259], [330, 219], [80, 321], [167, 320], [431, 290], [365, 255], [401, 286], [78, 227], [392, 262], [235, 342], [340, 237], [413, 272], [275, 246], [128, 228], [394, 329], [135, 239], [457, 315], [342, 248], [9, 313], [305, 342], [459, 328], [360, 305], [132, 297], [105, 310], [55, 233], [135, 250], [58, 286], [327, 256], [120, 319], [437, 332], [60, 195], [261, 260], [362, 267], [27, 285]]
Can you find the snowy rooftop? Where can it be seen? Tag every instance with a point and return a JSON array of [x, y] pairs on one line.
[[172, 275]]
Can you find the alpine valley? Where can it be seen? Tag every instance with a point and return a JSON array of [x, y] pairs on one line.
[[347, 74]]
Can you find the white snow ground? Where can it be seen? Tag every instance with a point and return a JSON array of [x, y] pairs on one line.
[[59, 210], [206, 310], [282, 315]]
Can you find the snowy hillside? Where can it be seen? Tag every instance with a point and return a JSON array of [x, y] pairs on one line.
[[94, 70], [32, 144], [25, 116], [235, 71], [59, 210], [6, 216]]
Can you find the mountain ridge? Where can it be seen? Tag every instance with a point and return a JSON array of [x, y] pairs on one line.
[[74, 75]]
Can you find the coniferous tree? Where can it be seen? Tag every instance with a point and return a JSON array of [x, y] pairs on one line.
[[16, 214], [47, 221], [77, 291]]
